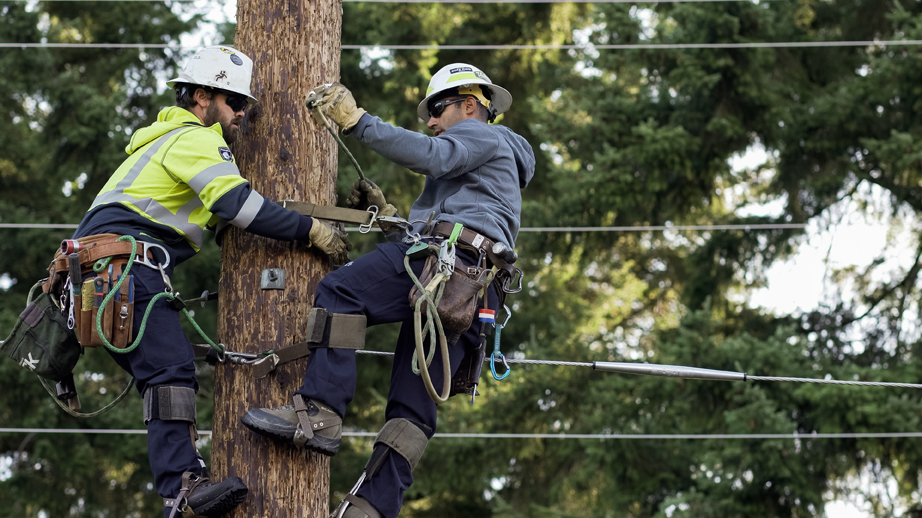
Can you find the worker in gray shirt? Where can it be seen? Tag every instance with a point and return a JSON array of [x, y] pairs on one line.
[[474, 173]]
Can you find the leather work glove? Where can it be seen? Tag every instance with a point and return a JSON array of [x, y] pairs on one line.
[[331, 240], [365, 194], [337, 104]]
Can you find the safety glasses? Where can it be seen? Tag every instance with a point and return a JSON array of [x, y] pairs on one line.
[[238, 103], [437, 108]]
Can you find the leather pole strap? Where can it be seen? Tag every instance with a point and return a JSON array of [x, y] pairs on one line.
[[324, 329], [326, 212], [264, 366]]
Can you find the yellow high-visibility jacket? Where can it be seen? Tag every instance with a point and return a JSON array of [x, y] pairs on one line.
[[179, 179]]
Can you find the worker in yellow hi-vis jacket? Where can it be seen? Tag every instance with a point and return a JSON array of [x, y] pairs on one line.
[[179, 179]]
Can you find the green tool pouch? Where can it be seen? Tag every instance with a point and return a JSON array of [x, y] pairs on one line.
[[459, 301], [41, 342]]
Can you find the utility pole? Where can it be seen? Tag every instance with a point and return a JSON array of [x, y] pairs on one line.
[[295, 45]]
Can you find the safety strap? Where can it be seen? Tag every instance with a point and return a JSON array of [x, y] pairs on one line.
[[189, 482], [335, 330], [340, 214], [362, 505], [169, 403], [267, 364], [404, 437]]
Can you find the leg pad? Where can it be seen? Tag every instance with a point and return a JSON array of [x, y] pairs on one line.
[[169, 403], [335, 330], [401, 436]]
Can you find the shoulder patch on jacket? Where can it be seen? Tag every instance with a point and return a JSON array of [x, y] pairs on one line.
[[226, 154]]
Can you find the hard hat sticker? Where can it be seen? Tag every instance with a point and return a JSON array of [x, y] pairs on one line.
[[460, 69], [235, 59], [227, 50], [481, 75], [226, 154]]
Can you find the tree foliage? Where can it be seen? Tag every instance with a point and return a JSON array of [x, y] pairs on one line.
[[623, 138]]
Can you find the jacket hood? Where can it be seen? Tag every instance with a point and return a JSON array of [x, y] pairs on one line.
[[167, 120], [524, 155]]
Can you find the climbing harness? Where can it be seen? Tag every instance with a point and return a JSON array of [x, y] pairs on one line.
[[88, 309], [454, 288]]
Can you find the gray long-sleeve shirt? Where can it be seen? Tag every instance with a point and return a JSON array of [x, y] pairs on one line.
[[474, 172]]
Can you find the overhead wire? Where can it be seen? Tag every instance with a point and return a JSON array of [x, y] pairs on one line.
[[626, 46], [636, 228], [562, 436]]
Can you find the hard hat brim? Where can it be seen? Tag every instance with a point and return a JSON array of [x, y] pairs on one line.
[[501, 100], [172, 84]]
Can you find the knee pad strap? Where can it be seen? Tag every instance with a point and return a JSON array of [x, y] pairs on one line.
[[401, 436], [169, 403], [335, 330]]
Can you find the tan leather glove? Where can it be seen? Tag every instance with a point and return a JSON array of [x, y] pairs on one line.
[[337, 104], [331, 240], [365, 194]]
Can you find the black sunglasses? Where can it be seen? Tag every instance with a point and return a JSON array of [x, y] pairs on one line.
[[437, 108], [238, 103]]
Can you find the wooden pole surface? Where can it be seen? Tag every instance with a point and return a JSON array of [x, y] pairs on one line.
[[295, 45]]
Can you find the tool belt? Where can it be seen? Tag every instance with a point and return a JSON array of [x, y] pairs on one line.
[[491, 251], [85, 304]]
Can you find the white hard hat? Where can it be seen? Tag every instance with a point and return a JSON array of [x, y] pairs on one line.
[[464, 77], [225, 68]]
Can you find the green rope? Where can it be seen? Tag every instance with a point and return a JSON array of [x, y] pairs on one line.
[[431, 316]]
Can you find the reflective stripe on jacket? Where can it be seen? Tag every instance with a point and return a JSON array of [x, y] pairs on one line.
[[177, 170]]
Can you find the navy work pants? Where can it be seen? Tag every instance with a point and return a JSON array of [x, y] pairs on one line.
[[377, 285], [164, 357]]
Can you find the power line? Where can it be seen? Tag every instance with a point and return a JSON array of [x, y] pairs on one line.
[[474, 1], [637, 228], [631, 46], [570, 436]]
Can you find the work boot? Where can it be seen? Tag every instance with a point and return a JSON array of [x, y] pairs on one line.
[[307, 424], [200, 497], [358, 507]]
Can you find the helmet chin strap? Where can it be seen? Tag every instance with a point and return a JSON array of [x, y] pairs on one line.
[[493, 115]]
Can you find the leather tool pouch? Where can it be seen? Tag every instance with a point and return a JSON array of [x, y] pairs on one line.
[[117, 315], [459, 300], [41, 341]]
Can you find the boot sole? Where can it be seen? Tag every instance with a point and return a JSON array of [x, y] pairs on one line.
[[266, 424], [226, 501], [281, 431]]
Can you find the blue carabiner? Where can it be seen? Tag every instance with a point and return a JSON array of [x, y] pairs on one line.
[[497, 352], [496, 376]]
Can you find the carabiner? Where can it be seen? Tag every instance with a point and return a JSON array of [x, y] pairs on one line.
[[366, 228], [496, 376], [167, 285]]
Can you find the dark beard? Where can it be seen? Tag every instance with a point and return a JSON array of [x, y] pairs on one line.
[[211, 117]]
